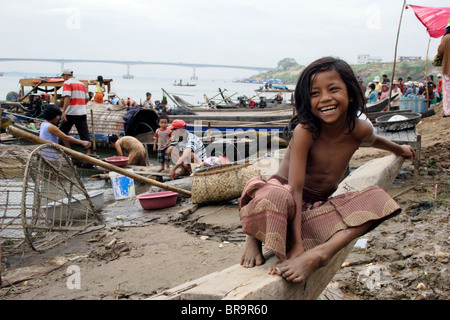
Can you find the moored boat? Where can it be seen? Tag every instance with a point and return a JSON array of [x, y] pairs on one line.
[[102, 119], [379, 105]]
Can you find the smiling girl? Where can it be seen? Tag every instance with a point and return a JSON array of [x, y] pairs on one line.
[[291, 212]]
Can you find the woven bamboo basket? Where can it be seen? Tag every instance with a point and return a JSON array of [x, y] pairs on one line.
[[222, 183]]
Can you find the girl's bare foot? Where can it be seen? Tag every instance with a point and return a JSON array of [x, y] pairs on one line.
[[252, 255], [300, 268]]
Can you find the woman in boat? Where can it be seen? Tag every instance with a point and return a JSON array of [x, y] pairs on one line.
[[99, 90]]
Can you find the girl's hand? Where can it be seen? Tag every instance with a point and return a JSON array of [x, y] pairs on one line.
[[407, 152]]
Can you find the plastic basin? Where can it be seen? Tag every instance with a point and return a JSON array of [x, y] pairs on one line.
[[117, 161], [158, 200]]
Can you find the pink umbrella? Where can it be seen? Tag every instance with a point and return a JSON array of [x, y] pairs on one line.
[[434, 19]]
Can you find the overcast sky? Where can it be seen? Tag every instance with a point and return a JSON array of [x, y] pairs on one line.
[[231, 32]]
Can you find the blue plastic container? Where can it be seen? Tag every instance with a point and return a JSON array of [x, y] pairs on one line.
[[413, 103]]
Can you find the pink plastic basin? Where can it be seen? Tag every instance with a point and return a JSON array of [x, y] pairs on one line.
[[117, 161], [158, 200]]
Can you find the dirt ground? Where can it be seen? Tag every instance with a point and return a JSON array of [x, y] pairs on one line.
[[139, 253]]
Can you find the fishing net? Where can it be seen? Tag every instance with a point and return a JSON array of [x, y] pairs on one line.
[[13, 159], [48, 206]]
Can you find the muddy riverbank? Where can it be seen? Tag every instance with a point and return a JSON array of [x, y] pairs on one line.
[[139, 253]]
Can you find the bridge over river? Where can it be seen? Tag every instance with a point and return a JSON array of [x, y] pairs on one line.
[[130, 63]]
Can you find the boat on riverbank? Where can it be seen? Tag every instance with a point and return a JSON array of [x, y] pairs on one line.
[[24, 110], [221, 101], [102, 121]]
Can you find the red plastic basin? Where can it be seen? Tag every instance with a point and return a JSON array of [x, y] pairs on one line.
[[117, 161], [158, 200]]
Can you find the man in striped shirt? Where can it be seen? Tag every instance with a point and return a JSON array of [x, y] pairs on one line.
[[74, 107]]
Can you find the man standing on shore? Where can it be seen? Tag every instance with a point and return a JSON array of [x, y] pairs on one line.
[[74, 107]]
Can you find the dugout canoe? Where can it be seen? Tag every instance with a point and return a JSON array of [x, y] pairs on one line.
[[239, 283]]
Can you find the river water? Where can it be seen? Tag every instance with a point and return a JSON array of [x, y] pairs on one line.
[[136, 88]]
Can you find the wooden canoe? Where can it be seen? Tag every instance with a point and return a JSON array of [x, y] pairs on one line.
[[379, 105], [239, 283]]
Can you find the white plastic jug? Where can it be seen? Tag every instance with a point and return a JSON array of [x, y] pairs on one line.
[[123, 186]]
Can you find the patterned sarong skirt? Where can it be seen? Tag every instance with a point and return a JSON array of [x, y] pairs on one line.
[[267, 207]]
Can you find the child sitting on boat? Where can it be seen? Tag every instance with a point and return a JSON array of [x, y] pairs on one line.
[[291, 213]]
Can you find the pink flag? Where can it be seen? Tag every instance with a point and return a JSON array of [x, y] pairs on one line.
[[434, 19]]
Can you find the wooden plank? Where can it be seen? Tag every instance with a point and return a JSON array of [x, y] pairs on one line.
[[237, 282]]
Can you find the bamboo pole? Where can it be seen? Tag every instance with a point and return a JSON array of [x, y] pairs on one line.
[[426, 69], [395, 54], [176, 103], [80, 156], [207, 100]]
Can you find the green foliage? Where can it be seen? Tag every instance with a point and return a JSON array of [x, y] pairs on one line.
[[287, 63], [289, 71]]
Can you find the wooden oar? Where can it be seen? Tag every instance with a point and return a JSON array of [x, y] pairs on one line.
[[77, 155]]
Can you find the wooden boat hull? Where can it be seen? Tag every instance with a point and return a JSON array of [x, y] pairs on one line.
[[269, 105], [379, 105], [107, 120], [246, 115], [229, 128], [263, 136], [239, 283]]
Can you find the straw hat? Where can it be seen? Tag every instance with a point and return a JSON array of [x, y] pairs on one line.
[[448, 24]]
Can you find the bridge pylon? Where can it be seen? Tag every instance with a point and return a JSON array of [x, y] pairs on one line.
[[128, 75], [194, 77]]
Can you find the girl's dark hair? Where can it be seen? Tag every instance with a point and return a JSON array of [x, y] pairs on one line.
[[302, 94], [51, 112], [100, 80], [113, 138]]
